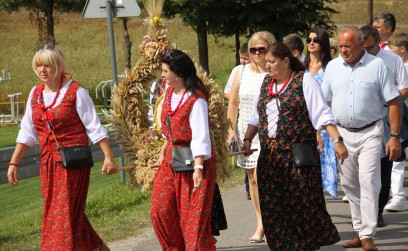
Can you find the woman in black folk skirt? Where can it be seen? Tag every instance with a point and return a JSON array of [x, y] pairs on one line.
[[290, 108]]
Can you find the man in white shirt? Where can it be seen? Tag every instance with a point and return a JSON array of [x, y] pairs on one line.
[[385, 23], [394, 62]]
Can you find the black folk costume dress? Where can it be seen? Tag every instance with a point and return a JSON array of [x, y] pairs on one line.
[[293, 208]]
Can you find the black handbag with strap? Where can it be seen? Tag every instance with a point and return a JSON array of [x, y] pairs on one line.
[[74, 156], [182, 157], [303, 152]]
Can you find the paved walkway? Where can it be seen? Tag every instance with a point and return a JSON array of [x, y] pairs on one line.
[[242, 223]]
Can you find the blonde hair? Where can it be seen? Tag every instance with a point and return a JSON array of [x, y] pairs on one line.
[[333, 44], [49, 55], [399, 39], [265, 36]]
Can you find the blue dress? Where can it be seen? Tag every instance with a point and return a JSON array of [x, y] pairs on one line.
[[328, 158]]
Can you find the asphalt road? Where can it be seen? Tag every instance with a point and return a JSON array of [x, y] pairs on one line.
[[242, 224]]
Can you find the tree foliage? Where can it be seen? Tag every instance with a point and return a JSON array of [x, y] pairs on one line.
[[244, 17], [42, 13]]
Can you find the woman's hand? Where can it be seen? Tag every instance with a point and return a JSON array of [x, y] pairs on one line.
[[12, 175], [160, 160], [231, 137], [319, 142], [109, 166], [247, 148], [198, 179]]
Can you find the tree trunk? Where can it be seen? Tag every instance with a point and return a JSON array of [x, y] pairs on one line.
[[370, 11], [49, 13], [237, 47], [127, 45], [203, 45]]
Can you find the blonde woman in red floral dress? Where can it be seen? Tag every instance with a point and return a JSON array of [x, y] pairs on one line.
[[182, 201], [66, 106]]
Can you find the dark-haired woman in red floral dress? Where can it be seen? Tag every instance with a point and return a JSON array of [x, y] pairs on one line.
[[289, 108], [64, 106], [182, 201]]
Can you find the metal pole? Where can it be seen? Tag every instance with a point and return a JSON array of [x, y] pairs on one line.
[[122, 173], [111, 40], [17, 106], [11, 96]]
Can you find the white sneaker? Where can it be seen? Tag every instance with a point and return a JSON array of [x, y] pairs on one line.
[[395, 205], [345, 199]]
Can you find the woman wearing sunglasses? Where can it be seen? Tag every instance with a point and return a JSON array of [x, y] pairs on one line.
[[244, 88], [317, 57]]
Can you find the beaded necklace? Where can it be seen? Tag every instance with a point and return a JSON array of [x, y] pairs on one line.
[[273, 82], [40, 97], [169, 111]]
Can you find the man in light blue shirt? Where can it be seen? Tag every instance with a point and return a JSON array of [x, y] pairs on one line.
[[358, 85]]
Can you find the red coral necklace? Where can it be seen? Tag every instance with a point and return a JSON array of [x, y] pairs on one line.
[[40, 97], [273, 82], [169, 111]]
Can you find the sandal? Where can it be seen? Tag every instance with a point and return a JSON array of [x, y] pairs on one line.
[[256, 239]]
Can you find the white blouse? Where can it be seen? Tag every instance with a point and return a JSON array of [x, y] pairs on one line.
[[200, 140], [84, 106], [319, 112]]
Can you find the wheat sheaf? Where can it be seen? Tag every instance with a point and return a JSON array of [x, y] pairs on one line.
[[139, 139]]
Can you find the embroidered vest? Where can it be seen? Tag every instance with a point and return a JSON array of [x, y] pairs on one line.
[[294, 124], [67, 126], [180, 121]]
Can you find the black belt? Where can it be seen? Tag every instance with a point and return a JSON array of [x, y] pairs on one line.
[[360, 128]]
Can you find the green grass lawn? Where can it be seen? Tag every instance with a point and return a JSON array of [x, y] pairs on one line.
[[116, 211], [8, 136]]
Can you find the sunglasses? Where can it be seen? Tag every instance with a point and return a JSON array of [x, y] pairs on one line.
[[168, 55], [369, 48], [309, 40], [260, 50], [46, 47]]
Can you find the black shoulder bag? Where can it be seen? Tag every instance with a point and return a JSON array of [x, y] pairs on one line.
[[74, 156], [182, 157], [303, 153]]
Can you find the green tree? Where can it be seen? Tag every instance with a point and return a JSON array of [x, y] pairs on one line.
[[42, 13], [243, 17]]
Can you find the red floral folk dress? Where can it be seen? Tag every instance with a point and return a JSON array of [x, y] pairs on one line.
[[64, 223], [181, 218]]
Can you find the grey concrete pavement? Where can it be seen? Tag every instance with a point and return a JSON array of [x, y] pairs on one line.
[[242, 224]]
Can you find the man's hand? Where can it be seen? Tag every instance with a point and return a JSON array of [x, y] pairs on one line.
[[393, 148], [341, 151]]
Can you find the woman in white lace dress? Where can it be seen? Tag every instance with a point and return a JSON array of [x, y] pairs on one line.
[[244, 88]]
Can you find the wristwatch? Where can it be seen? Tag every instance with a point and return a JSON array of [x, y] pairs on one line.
[[395, 135], [338, 140]]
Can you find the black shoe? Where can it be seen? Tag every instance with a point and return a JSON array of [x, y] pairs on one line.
[[248, 195], [380, 221]]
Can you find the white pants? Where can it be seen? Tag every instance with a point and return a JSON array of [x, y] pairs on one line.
[[397, 179], [360, 176]]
